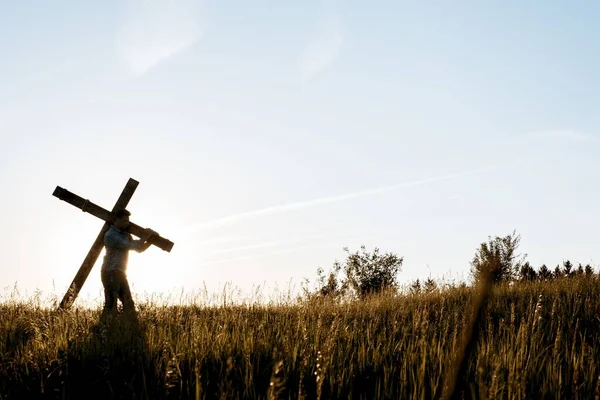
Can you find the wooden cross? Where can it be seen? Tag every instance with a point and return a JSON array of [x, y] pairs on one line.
[[96, 249]]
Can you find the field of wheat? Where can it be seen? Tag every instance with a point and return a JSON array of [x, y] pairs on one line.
[[536, 340]]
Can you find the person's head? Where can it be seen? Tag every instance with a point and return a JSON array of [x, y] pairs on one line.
[[122, 220]]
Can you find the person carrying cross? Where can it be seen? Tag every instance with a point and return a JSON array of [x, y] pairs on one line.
[[118, 242]]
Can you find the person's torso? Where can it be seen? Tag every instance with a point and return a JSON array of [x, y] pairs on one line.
[[116, 257]]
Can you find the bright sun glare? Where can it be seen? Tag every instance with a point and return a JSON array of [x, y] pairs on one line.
[[153, 272], [156, 271]]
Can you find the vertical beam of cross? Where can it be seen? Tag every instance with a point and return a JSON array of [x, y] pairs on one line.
[[96, 249]]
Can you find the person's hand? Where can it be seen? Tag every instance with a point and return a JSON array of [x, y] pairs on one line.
[[148, 233]]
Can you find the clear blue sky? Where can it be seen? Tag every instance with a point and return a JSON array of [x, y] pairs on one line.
[[267, 136]]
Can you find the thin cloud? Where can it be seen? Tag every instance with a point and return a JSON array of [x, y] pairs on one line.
[[246, 247], [262, 255], [275, 243], [230, 219], [325, 46], [156, 30], [223, 239], [570, 135]]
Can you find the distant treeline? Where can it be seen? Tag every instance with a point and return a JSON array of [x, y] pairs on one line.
[[364, 273]]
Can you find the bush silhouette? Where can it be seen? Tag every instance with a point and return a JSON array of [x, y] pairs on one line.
[[499, 255]]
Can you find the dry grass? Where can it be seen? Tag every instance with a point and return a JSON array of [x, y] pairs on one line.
[[536, 340]]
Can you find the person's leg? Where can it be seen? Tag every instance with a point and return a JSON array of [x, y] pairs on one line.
[[110, 299], [110, 292], [125, 294]]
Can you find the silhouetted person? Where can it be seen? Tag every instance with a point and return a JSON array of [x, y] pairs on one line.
[[114, 278]]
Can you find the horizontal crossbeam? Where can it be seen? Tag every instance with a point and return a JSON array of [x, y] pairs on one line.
[[105, 215]]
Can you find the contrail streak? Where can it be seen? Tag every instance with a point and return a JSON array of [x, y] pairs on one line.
[[246, 247], [274, 243], [261, 255], [327, 200]]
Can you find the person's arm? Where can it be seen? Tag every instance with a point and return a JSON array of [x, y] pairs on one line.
[[144, 240], [120, 242]]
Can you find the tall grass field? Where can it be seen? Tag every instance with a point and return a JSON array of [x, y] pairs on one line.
[[535, 340]]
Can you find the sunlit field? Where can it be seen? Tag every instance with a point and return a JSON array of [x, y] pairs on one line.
[[537, 340]]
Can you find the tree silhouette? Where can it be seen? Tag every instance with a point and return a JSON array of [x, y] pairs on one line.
[[527, 273], [368, 273], [499, 255], [544, 273], [557, 272], [567, 266], [430, 285], [415, 287]]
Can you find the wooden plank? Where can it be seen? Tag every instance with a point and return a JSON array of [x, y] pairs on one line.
[[92, 255], [103, 214]]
